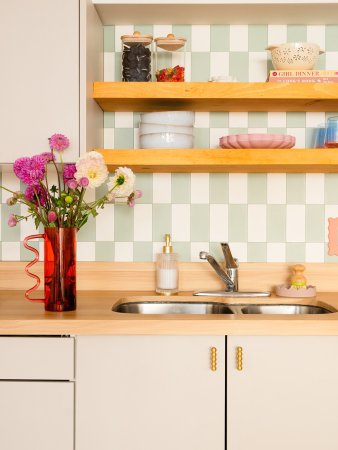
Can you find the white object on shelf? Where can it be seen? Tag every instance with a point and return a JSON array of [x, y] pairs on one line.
[[295, 55], [181, 118], [166, 140], [151, 128]]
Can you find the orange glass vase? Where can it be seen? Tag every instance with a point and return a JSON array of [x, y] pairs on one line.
[[59, 268]]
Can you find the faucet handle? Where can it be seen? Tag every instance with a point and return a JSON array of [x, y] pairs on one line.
[[230, 261]]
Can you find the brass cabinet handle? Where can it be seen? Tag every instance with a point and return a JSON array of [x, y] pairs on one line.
[[213, 359], [239, 358]]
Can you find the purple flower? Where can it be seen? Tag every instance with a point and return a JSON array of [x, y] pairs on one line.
[[51, 216], [58, 142], [30, 170], [48, 156], [19, 166], [12, 221], [84, 182], [72, 184], [69, 171], [32, 192]]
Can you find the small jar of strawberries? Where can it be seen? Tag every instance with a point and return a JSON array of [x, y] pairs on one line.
[[170, 58]]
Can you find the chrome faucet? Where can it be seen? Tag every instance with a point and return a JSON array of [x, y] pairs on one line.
[[229, 276]]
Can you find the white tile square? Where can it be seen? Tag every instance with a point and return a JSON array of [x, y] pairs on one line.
[[276, 252], [331, 59], [11, 251], [257, 223], [121, 30], [108, 138], [218, 223], [124, 251], [239, 38], [162, 188], [200, 188], [257, 130], [105, 224], [143, 222], [162, 31], [238, 119], [239, 251], [219, 63], [196, 248], [315, 185], [316, 33], [277, 119], [295, 223], [257, 66], [180, 223], [313, 119], [90, 195], [200, 38], [202, 119], [216, 134], [85, 251], [314, 252], [11, 182], [299, 134], [277, 34], [178, 59], [276, 188], [27, 227], [124, 120], [109, 66], [187, 71], [238, 188]]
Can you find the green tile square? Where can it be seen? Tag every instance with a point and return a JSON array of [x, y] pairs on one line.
[[88, 232], [276, 223], [183, 251], [144, 29], [216, 251], [108, 120], [257, 187], [257, 252], [109, 38], [123, 223], [219, 119], [200, 66], [136, 119], [219, 38], [161, 221], [310, 136], [219, 188], [102, 190], [277, 130], [328, 258], [201, 138], [331, 38], [200, 223], [258, 120], [295, 188], [238, 130], [104, 251], [180, 188], [315, 223], [239, 65], [183, 31], [118, 66], [144, 182], [321, 63], [331, 188], [124, 138], [296, 33], [27, 255], [238, 223], [9, 234], [143, 251], [296, 119], [295, 252], [258, 38]]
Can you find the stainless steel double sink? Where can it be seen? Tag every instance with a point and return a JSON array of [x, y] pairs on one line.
[[182, 307]]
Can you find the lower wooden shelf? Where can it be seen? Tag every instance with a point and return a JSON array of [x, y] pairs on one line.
[[299, 160]]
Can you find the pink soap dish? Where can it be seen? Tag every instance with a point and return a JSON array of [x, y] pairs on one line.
[[285, 290], [256, 140]]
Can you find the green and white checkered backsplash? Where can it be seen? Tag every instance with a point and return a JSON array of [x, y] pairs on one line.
[[265, 217]]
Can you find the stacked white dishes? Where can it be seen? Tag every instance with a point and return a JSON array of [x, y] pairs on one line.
[[167, 129]]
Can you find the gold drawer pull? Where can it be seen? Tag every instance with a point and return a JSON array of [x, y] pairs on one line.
[[213, 359], [239, 358]]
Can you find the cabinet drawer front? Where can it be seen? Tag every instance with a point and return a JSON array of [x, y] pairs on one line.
[[36, 358]]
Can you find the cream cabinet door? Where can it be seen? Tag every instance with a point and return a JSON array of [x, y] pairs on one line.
[[39, 76], [36, 415], [150, 393], [285, 396]]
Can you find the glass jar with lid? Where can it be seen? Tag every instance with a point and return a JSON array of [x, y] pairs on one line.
[[136, 57], [170, 58]]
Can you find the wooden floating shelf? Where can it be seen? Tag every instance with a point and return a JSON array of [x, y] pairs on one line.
[[119, 96], [218, 160]]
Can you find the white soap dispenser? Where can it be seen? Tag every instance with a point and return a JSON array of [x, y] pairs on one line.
[[167, 269]]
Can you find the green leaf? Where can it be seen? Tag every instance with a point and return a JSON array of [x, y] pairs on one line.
[[37, 222]]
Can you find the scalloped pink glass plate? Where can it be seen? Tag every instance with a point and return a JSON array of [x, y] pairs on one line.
[[238, 141]]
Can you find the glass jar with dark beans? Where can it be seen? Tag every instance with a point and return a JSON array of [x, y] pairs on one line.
[[136, 57]]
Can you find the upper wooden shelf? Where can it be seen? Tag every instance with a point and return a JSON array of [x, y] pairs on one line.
[[204, 96], [219, 160]]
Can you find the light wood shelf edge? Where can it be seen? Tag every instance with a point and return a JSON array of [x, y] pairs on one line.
[[222, 160]]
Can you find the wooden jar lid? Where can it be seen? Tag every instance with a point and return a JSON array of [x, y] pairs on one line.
[[171, 43], [137, 38]]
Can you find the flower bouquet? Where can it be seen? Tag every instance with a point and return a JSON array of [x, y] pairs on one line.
[[62, 209]]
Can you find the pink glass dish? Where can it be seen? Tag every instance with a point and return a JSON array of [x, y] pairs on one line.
[[257, 141]]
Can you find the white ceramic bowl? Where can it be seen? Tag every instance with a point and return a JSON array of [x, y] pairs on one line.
[[181, 118], [166, 140], [151, 128], [295, 55]]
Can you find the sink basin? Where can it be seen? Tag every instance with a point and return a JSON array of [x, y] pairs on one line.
[[172, 307]]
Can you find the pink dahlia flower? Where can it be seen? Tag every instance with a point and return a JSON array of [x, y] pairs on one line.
[[72, 184], [84, 182], [33, 193], [12, 221], [51, 216], [48, 156], [30, 170], [58, 142], [69, 171]]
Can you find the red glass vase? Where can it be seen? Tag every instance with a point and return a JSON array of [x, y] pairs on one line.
[[59, 268]]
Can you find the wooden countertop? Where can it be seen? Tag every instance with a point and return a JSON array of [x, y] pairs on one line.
[[95, 317]]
